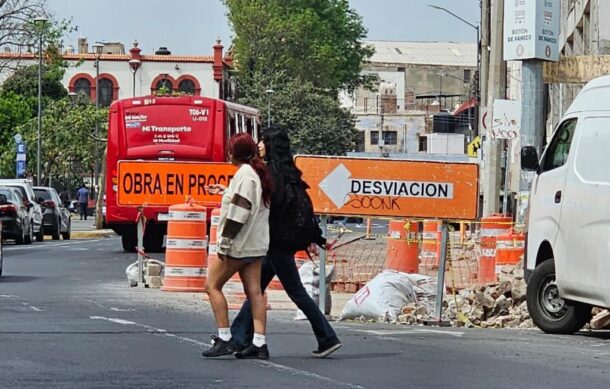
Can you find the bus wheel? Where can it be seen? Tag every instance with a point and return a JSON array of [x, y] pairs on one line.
[[129, 242], [153, 239]]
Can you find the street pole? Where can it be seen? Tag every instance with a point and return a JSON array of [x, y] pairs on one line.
[[39, 122], [97, 107], [496, 89], [532, 125], [97, 49], [269, 93], [39, 22], [134, 65]]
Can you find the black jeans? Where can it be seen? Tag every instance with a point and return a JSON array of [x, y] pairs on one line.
[[281, 262], [83, 210]]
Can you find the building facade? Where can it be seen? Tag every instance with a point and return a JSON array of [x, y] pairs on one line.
[[415, 80], [585, 31], [114, 74]]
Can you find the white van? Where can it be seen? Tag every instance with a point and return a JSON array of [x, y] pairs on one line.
[[568, 240]]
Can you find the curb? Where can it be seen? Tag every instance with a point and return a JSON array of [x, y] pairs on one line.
[[95, 234]]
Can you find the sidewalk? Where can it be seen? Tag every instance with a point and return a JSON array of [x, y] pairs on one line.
[[85, 229]]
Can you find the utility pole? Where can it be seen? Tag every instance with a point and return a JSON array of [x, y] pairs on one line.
[[496, 89], [532, 123]]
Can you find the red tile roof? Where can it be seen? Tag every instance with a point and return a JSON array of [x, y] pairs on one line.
[[118, 57]]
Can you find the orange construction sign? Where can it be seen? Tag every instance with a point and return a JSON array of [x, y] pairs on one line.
[[164, 183], [390, 187]]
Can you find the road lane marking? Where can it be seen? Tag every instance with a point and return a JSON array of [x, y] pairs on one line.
[[281, 368], [47, 245], [33, 308]]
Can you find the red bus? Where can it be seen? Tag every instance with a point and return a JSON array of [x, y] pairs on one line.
[[176, 130]]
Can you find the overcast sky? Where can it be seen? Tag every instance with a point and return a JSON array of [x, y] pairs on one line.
[[192, 26]]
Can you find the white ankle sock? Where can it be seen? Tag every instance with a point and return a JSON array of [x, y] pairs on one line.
[[224, 334], [258, 340]]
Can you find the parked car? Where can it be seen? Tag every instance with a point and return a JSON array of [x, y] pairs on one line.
[[567, 264], [15, 217], [35, 211], [55, 216]]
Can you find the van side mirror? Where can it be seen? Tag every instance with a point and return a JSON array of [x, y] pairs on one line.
[[3, 199], [529, 159]]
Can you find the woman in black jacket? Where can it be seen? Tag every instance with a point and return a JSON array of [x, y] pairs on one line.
[[275, 149]]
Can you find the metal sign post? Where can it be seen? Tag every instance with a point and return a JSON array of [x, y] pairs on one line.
[[507, 160], [140, 232], [440, 279], [322, 270]]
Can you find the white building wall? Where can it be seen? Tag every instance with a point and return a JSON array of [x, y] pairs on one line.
[[145, 75], [408, 127]]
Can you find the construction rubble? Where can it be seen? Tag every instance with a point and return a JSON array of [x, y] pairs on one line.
[[497, 305]]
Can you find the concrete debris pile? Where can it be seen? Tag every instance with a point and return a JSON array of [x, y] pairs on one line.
[[497, 305]]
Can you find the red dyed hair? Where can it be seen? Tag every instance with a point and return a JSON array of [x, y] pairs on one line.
[[244, 150]]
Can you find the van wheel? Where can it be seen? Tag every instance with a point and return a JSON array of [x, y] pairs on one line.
[[551, 313], [129, 242]]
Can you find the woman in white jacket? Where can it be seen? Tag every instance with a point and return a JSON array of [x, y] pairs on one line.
[[243, 241]]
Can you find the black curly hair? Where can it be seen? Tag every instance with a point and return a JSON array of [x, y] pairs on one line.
[[278, 154]]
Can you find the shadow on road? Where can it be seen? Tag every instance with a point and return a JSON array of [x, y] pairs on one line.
[[600, 334], [17, 279]]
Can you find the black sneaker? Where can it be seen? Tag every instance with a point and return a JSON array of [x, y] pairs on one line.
[[323, 352], [253, 352], [220, 347]]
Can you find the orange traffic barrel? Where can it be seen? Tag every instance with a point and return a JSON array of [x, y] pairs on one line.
[[431, 248], [186, 254], [509, 249], [492, 226], [212, 248], [402, 248], [300, 257]]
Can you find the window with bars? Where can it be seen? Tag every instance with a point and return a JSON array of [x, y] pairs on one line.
[[187, 86], [165, 84], [82, 86], [105, 93]]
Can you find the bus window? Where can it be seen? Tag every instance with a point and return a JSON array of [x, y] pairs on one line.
[[250, 128], [232, 122]]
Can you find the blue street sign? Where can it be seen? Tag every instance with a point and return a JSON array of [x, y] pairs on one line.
[[20, 169], [21, 148]]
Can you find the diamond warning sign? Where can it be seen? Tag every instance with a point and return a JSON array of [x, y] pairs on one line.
[[384, 187]]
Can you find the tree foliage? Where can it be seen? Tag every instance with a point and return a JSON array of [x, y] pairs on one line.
[[317, 41], [24, 82], [20, 33], [306, 51], [67, 144], [317, 122]]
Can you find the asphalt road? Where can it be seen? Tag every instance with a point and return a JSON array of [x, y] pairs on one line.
[[69, 320]]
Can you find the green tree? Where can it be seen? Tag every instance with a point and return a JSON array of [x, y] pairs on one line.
[[67, 143], [306, 51], [14, 111], [24, 82], [319, 41], [317, 122]]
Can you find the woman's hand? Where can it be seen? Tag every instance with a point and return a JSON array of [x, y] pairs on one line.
[[217, 189]]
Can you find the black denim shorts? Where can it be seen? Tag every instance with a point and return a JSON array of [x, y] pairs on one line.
[[243, 259]]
